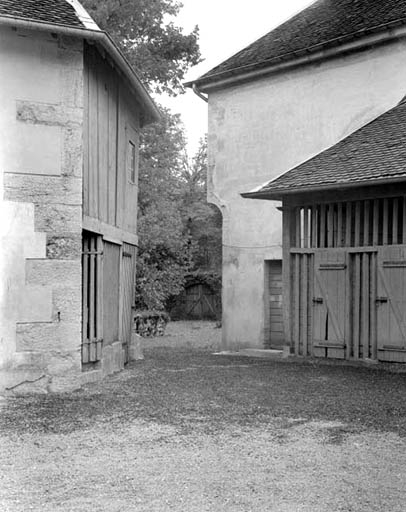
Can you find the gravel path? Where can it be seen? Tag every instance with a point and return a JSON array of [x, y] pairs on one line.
[[188, 431]]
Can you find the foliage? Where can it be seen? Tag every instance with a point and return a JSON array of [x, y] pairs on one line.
[[204, 221], [178, 231], [165, 249], [207, 277], [152, 43]]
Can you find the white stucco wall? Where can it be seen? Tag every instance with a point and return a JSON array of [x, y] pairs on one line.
[[263, 128]]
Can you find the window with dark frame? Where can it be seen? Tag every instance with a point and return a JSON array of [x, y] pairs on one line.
[[132, 161]]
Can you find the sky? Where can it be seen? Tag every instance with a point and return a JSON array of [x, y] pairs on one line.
[[226, 26]]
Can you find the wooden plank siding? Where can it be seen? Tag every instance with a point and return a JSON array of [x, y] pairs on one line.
[[346, 277], [112, 119]]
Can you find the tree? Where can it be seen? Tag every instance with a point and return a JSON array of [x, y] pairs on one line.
[[165, 251], [153, 44], [204, 221]]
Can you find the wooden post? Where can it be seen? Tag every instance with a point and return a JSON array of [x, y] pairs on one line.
[[330, 225], [395, 213], [385, 222], [348, 228], [372, 307], [305, 227], [298, 225], [314, 227], [305, 294], [365, 306], [366, 224], [92, 311], [322, 222], [404, 222], [85, 302], [375, 237], [289, 230], [356, 305], [99, 297], [357, 223], [339, 225]]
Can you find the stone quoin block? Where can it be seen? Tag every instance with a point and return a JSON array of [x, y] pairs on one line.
[[67, 304], [42, 189], [35, 304], [58, 218], [64, 246], [48, 336], [54, 273]]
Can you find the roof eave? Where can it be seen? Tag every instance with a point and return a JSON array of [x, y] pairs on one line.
[[150, 110], [281, 63], [280, 195]]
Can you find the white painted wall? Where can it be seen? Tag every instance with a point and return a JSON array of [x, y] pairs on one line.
[[263, 128]]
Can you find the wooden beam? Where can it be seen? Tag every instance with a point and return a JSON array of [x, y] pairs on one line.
[[298, 227], [357, 241], [339, 242], [288, 221], [314, 236], [305, 293], [366, 239], [395, 220], [365, 305], [404, 222], [85, 312], [385, 234], [322, 222], [306, 227], [330, 225], [348, 224], [92, 301], [356, 305], [375, 235], [372, 307], [296, 302]]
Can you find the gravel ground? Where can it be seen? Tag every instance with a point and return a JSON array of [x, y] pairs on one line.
[[185, 430]]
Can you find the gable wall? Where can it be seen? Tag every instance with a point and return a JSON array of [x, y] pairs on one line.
[[263, 128], [41, 115]]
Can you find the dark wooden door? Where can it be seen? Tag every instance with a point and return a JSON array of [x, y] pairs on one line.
[[275, 335], [391, 304], [330, 303], [127, 294]]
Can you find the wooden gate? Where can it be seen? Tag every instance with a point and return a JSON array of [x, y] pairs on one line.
[[330, 304], [127, 294], [391, 304]]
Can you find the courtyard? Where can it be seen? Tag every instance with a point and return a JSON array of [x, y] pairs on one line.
[[188, 430]]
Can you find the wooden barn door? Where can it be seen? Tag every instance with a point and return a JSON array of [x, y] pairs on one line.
[[127, 294], [391, 304], [362, 313], [330, 304]]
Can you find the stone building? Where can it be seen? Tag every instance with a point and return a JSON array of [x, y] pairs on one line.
[[294, 93], [71, 108]]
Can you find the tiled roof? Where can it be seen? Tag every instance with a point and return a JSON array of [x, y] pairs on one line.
[[59, 12], [326, 22], [375, 152]]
